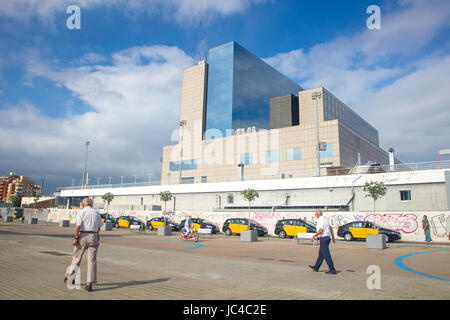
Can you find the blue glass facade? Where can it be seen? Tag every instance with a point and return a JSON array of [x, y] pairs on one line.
[[239, 88], [187, 165]]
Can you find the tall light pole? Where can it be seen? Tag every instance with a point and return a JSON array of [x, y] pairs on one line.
[[135, 179], [121, 180], [182, 124], [110, 180], [85, 161], [150, 178], [316, 96]]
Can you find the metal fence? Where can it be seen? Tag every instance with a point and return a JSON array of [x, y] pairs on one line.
[[325, 171]]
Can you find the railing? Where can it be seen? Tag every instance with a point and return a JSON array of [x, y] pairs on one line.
[[364, 169]]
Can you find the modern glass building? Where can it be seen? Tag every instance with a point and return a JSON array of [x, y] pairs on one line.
[[239, 88]]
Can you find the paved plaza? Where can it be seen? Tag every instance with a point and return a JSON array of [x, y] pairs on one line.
[[134, 265]]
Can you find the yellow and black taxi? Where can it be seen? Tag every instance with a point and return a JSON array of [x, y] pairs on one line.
[[106, 217], [360, 230], [127, 221], [291, 227], [200, 223], [236, 225], [155, 223]]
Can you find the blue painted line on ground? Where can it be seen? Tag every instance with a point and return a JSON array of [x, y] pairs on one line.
[[399, 263], [197, 245]]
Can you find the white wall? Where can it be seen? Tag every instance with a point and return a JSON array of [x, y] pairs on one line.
[[409, 224]]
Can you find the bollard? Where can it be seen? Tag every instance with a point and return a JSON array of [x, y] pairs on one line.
[[64, 223], [33, 221], [107, 226], [376, 241], [249, 235]]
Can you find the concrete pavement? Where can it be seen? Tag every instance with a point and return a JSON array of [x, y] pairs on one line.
[[146, 266]]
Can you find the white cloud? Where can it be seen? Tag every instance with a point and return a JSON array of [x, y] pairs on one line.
[[179, 10], [135, 106], [362, 69]]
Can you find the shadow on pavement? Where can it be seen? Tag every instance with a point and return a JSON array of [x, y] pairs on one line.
[[127, 284]]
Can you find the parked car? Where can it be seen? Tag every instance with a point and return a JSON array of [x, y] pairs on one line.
[[375, 168], [154, 223], [106, 217], [290, 227], [360, 230], [127, 221], [236, 225], [200, 223]]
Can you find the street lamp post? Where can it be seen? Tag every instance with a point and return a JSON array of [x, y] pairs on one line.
[[121, 180], [316, 96], [182, 124], [135, 179], [85, 161]]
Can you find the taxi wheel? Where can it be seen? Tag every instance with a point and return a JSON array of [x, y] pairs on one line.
[[348, 236], [228, 232], [282, 234], [150, 227]]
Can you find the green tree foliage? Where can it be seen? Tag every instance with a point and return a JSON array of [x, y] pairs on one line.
[[250, 195], [375, 190]]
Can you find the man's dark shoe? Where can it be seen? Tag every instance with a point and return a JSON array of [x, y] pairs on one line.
[[330, 272], [88, 288], [312, 267]]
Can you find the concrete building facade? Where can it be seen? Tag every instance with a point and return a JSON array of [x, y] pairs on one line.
[[299, 129]]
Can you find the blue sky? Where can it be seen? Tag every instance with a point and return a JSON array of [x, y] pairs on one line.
[[112, 81]]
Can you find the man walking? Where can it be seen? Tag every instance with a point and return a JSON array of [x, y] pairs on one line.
[[324, 230], [88, 224], [426, 229]]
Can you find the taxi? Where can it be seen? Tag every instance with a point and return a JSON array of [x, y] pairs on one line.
[[106, 217], [236, 225], [291, 227], [155, 223], [360, 230], [127, 221], [200, 223]]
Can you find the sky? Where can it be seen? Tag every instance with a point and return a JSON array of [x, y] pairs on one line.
[[116, 81]]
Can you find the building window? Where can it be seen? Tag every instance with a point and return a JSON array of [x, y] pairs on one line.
[[405, 195], [204, 179], [272, 156], [246, 158], [230, 198], [187, 180], [328, 152], [187, 165], [293, 154]]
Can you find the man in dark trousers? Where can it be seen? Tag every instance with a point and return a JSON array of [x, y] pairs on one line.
[[426, 229], [324, 231]]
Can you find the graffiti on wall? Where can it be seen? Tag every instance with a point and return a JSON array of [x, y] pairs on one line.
[[440, 225], [406, 223]]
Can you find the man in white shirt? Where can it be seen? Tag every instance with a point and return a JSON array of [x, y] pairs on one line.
[[88, 224], [324, 230]]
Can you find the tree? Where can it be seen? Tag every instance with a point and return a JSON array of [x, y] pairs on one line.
[[108, 197], [165, 196], [375, 190], [250, 195], [15, 200]]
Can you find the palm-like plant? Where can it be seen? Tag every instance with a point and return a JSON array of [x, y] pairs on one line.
[[165, 196], [108, 197], [250, 195], [375, 190]]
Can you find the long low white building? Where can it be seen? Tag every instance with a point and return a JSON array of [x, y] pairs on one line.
[[410, 195]]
